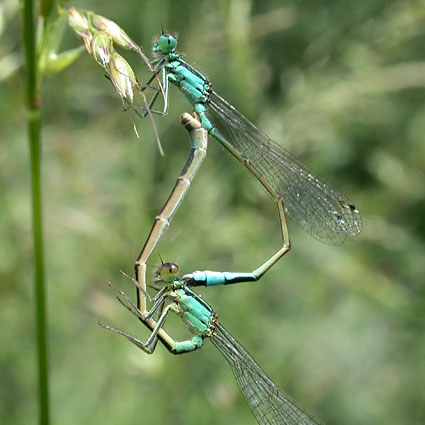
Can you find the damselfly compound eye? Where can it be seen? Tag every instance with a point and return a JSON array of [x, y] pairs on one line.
[[167, 43], [168, 271]]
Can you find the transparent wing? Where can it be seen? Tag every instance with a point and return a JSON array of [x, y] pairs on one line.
[[320, 209], [269, 404]]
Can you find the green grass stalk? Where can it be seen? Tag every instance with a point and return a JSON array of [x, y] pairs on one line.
[[34, 137]]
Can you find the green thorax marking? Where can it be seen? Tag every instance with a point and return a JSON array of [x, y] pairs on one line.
[[192, 83], [195, 312]]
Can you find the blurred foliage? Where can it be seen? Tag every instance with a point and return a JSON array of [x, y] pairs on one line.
[[340, 328]]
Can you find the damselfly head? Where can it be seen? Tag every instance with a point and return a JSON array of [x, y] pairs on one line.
[[167, 272], [166, 43]]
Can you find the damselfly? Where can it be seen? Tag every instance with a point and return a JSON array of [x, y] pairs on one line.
[[318, 207], [269, 404]]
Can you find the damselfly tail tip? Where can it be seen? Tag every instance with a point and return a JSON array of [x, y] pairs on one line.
[[189, 122]]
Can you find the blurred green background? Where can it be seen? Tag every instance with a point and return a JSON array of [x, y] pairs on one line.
[[340, 84]]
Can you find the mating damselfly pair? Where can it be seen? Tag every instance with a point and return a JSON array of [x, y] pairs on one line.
[[318, 208]]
